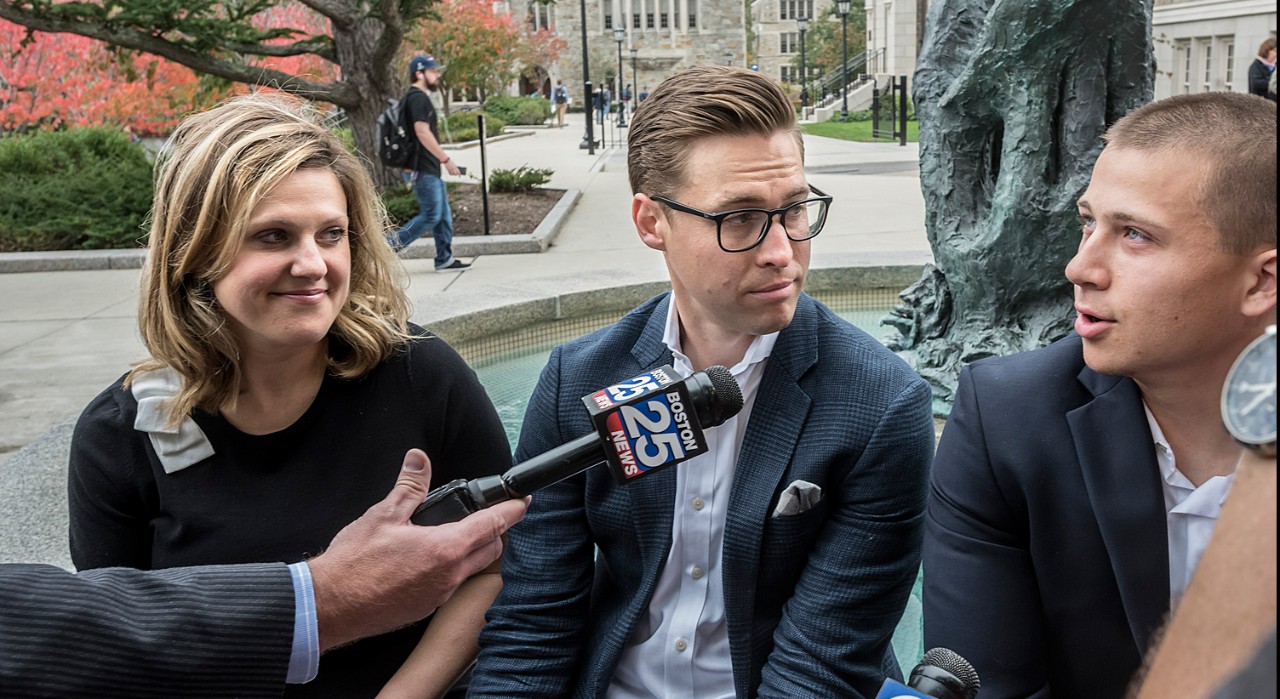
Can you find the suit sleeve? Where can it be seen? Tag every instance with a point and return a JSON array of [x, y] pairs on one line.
[[980, 593], [532, 642], [834, 636], [213, 631]]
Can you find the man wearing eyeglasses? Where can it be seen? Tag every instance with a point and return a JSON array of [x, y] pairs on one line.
[[778, 563]]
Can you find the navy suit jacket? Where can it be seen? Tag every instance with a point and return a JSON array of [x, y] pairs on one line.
[[207, 631], [1046, 557], [811, 599]]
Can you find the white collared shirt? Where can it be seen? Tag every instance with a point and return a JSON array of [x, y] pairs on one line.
[[1192, 512], [680, 647]]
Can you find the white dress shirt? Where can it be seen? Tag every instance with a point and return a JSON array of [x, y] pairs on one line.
[[1192, 512], [680, 647]]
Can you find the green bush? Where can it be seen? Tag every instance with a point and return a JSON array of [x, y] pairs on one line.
[[462, 127], [401, 204], [888, 111], [519, 110], [521, 179], [76, 189]]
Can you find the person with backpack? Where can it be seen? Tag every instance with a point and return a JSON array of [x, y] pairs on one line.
[[560, 98], [434, 213]]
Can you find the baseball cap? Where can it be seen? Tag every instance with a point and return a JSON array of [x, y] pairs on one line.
[[423, 63]]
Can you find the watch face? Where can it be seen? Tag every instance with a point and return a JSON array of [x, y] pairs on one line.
[[1249, 397]]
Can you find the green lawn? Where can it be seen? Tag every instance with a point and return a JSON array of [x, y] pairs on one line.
[[856, 130]]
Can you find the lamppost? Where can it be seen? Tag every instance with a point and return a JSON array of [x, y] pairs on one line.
[[588, 137], [804, 71], [620, 35], [635, 82], [842, 6]]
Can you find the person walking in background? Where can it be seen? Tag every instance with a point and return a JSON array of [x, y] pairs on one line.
[[560, 98], [602, 99], [1262, 68], [284, 384], [434, 213], [644, 92]]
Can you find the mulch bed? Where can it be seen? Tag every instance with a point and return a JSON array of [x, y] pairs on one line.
[[509, 212]]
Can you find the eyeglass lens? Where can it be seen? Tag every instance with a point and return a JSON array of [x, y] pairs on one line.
[[744, 229]]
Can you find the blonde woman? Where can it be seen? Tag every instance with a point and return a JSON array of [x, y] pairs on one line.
[[284, 385]]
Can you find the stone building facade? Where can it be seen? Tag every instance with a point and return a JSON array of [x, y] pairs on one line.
[[1200, 45], [668, 36], [1204, 45], [776, 35], [893, 28]]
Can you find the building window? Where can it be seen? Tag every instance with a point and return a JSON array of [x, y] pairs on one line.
[[635, 21], [664, 20], [648, 21], [795, 9], [1183, 61], [1206, 56], [790, 42], [540, 17], [788, 74], [693, 14], [1229, 54], [607, 7]]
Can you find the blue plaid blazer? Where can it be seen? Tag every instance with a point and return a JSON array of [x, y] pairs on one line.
[[811, 599]]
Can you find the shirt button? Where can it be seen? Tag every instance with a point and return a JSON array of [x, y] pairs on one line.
[[681, 645], [698, 504], [696, 573]]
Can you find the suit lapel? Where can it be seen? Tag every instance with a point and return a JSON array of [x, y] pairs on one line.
[[652, 498], [1117, 458], [773, 430]]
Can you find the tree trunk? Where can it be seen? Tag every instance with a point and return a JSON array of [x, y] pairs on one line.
[[1012, 98], [367, 55]]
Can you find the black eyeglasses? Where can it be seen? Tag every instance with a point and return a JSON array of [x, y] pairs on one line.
[[742, 229]]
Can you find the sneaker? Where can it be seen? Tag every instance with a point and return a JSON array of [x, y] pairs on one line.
[[453, 266]]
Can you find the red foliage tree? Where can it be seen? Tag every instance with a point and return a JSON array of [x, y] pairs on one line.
[[72, 80], [55, 82]]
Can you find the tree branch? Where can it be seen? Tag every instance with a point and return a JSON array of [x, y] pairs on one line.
[[341, 93], [340, 13], [313, 46]]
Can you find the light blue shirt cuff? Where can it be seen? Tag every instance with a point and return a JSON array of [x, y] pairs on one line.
[[304, 662]]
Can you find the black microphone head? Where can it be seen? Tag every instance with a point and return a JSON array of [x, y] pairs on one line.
[[937, 661], [726, 396]]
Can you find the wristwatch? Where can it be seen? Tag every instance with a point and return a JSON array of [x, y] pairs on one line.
[[1249, 396]]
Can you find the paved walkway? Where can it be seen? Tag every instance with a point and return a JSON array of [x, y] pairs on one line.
[[66, 335]]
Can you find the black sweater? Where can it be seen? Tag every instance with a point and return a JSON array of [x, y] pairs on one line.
[[282, 496]]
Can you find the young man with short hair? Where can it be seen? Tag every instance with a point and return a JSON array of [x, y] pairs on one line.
[[710, 581], [1075, 487], [434, 213]]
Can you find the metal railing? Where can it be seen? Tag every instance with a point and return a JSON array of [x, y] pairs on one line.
[[832, 81]]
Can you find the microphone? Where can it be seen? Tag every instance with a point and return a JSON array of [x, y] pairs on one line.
[[643, 425], [941, 674]]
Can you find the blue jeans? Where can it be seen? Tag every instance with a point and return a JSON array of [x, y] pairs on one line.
[[434, 215]]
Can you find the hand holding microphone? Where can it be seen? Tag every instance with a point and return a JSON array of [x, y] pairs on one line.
[[940, 674], [643, 425]]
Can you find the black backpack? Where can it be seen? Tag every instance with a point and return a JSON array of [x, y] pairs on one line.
[[396, 147]]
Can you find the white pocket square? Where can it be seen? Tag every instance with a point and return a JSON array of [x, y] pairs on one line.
[[799, 497]]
